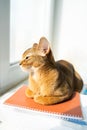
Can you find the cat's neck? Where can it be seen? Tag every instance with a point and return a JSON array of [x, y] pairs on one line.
[[44, 74], [34, 72], [38, 72]]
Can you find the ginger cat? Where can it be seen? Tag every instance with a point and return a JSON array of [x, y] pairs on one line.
[[50, 82]]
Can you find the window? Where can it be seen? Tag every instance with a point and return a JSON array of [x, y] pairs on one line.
[[22, 23], [29, 20]]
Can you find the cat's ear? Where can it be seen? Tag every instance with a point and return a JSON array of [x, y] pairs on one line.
[[44, 46]]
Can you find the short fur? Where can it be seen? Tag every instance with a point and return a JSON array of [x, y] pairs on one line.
[[50, 82]]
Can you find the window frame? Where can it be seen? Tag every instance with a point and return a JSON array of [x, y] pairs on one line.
[[6, 80]]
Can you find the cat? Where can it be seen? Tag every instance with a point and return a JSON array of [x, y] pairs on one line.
[[50, 81]]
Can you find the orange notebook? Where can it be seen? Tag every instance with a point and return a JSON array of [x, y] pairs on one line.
[[70, 108]]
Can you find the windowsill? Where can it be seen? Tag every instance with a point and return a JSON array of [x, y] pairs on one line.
[[28, 120], [11, 91]]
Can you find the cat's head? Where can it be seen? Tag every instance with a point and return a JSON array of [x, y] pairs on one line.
[[39, 55]]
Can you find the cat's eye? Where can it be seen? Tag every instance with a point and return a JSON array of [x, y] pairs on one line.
[[27, 57]]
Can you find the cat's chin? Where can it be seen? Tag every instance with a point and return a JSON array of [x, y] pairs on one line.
[[25, 69]]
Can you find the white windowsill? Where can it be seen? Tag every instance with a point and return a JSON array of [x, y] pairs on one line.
[[11, 91]]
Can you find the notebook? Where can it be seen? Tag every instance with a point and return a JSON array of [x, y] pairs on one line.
[[69, 109]]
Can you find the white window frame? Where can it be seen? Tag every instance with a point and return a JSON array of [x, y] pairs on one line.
[[10, 75]]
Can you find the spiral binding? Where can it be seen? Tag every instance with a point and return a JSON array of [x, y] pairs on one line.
[[73, 119]]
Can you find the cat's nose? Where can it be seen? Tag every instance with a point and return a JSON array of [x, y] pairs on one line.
[[20, 63]]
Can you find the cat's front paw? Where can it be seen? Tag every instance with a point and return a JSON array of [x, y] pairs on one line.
[[29, 93]]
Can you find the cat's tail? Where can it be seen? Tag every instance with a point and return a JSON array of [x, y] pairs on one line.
[[78, 82]]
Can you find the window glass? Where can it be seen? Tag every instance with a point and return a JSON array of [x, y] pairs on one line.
[[29, 20]]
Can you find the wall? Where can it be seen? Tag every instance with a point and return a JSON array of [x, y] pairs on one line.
[[70, 35]]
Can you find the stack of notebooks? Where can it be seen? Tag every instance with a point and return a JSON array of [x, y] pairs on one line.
[[70, 110]]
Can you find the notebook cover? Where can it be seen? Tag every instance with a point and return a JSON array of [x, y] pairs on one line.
[[71, 107]]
